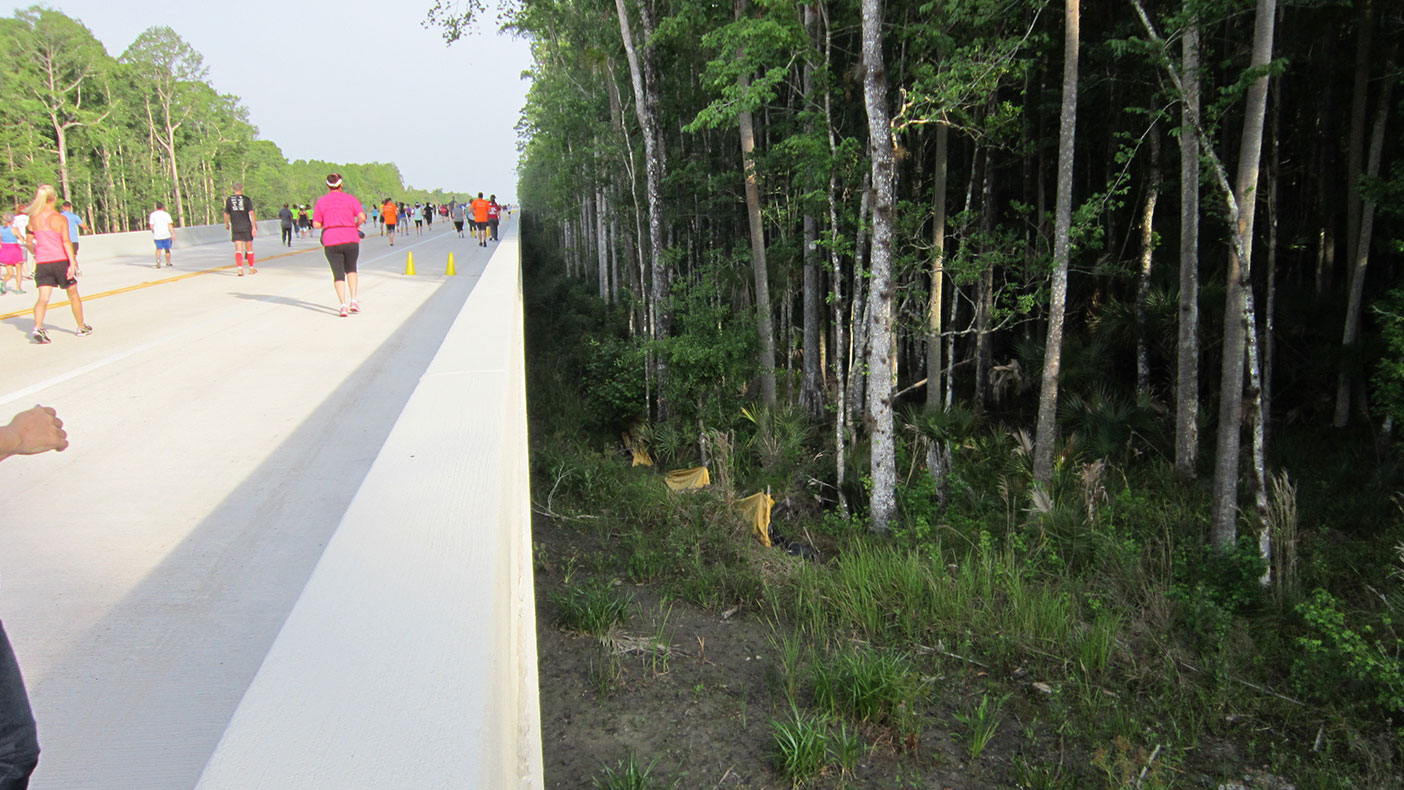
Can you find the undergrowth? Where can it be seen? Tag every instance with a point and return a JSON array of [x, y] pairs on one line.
[[1088, 629]]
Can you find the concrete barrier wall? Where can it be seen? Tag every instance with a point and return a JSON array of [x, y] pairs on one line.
[[409, 660], [138, 242]]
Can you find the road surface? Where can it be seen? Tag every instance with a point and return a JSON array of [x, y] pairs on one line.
[[219, 427]]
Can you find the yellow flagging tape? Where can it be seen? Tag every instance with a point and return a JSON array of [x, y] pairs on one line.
[[684, 479], [756, 509]]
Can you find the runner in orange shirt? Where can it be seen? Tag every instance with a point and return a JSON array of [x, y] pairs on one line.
[[390, 213], [480, 219]]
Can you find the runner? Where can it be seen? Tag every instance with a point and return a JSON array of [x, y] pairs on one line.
[[11, 255], [285, 222], [54, 264], [304, 222], [456, 213], [74, 223], [161, 223], [388, 210], [242, 225], [21, 225], [340, 217], [493, 211], [428, 216], [480, 219], [418, 213]]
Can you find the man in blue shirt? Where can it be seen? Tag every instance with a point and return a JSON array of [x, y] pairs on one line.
[[74, 223]]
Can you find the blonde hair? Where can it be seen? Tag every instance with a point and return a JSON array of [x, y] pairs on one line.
[[44, 197]]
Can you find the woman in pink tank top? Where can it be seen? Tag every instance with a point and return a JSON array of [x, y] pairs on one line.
[[54, 262]]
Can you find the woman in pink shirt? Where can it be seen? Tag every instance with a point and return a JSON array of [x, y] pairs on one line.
[[55, 265], [340, 217]]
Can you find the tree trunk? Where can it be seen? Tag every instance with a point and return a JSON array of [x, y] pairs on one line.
[[1187, 345], [880, 374], [1143, 283], [1349, 369], [1364, 37], [1270, 309], [1046, 433], [646, 107], [858, 308], [840, 329], [1224, 521], [984, 290], [938, 274], [765, 331], [812, 389]]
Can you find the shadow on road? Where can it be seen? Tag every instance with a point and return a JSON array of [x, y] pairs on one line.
[[231, 583]]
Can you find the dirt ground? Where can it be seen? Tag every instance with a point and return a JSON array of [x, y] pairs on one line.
[[702, 715]]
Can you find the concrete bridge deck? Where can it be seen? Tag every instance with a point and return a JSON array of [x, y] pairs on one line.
[[221, 427]]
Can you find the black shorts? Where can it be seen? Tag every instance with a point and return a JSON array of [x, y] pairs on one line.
[[342, 258], [53, 274], [419, 222], [458, 223], [389, 226], [241, 234]]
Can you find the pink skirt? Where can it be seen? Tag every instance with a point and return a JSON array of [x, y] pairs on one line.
[[10, 254]]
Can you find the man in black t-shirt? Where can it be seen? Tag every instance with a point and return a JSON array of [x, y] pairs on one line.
[[285, 221], [241, 223]]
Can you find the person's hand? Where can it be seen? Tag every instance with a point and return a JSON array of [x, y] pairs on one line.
[[36, 430]]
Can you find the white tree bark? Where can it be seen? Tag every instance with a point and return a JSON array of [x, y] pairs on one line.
[[1046, 433], [881, 387]]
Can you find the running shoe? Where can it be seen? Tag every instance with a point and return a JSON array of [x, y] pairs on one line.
[[241, 271], [252, 270], [39, 336], [345, 311], [355, 306], [85, 331]]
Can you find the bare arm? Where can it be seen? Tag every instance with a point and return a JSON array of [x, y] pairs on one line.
[[33, 431]]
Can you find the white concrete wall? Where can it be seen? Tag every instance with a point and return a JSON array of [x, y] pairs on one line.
[[409, 661], [138, 242]]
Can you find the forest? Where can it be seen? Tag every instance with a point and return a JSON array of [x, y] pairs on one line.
[[117, 134], [1067, 337]]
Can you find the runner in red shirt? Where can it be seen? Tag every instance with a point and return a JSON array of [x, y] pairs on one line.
[[480, 219], [493, 211], [390, 213]]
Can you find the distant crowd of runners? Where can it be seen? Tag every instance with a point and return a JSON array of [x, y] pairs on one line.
[[46, 233], [393, 218]]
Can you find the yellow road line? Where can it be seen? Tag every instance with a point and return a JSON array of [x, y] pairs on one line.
[[148, 284]]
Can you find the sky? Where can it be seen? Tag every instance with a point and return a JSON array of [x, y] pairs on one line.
[[351, 81]]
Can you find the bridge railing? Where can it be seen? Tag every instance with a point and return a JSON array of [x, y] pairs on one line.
[[409, 661], [138, 242]]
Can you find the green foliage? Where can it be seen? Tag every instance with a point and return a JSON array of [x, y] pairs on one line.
[[1388, 378], [627, 774], [801, 745], [712, 357], [868, 685], [981, 723], [1340, 651], [593, 607], [1212, 587], [613, 380]]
